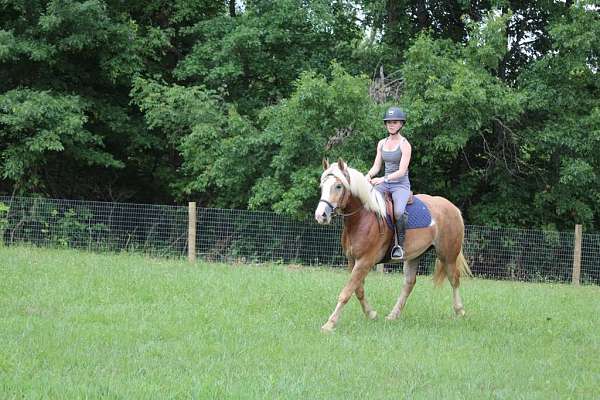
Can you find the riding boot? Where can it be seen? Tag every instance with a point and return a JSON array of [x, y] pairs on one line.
[[398, 249]]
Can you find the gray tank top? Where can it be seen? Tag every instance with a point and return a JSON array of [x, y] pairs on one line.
[[392, 161]]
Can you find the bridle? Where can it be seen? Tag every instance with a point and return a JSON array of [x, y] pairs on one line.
[[336, 211], [334, 208]]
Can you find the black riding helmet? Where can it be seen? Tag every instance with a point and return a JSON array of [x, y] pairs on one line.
[[394, 114]]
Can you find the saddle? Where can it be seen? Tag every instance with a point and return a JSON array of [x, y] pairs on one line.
[[389, 205]]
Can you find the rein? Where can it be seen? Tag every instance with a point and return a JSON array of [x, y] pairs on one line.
[[352, 212], [337, 211]]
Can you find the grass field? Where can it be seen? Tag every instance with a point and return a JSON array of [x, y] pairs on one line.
[[80, 325]]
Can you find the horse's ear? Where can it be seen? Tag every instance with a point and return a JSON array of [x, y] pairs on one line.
[[341, 164], [325, 164]]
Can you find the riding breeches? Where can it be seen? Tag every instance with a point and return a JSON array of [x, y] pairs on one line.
[[400, 192]]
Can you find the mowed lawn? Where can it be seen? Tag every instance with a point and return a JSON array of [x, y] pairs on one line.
[[79, 325]]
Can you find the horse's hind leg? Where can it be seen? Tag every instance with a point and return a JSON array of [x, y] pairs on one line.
[[410, 277], [459, 309], [367, 309], [453, 274], [454, 279]]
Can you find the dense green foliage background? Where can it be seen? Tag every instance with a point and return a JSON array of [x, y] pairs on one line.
[[234, 103]]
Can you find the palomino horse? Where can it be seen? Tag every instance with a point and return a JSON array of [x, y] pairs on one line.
[[366, 239]]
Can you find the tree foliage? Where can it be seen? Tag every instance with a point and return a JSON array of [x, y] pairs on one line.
[[37, 126], [323, 118], [234, 104], [563, 128]]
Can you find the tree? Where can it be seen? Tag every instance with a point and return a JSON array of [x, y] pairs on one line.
[[563, 120], [56, 58], [323, 118], [252, 59], [35, 126], [88, 54], [462, 123], [234, 103]]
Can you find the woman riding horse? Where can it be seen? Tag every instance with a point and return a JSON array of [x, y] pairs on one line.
[[395, 152], [366, 239]]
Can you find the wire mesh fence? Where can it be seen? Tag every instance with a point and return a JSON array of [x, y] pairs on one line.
[[257, 236], [97, 226]]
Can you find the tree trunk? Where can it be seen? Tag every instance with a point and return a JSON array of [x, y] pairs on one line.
[[232, 8], [392, 8]]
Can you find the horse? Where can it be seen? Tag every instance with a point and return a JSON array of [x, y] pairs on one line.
[[366, 239]]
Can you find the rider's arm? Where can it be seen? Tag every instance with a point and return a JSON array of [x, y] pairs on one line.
[[377, 163]]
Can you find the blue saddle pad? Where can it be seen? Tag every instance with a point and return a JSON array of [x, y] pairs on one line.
[[418, 215]]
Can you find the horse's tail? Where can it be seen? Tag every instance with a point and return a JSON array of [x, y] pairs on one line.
[[462, 269], [463, 265]]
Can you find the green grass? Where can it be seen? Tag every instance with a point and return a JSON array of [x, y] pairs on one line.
[[80, 325]]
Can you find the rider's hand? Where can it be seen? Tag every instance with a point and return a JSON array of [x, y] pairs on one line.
[[376, 181]]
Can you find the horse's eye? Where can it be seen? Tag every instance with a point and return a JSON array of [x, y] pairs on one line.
[[338, 187]]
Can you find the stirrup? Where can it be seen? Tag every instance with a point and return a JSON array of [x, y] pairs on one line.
[[397, 253]]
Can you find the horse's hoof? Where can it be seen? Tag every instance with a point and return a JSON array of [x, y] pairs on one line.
[[372, 315], [391, 317], [327, 328], [460, 312]]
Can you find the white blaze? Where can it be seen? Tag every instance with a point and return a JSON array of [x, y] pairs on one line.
[[322, 206]]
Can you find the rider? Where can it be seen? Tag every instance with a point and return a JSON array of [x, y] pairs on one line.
[[395, 152]]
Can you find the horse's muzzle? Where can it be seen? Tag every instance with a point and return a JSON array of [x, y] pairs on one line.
[[323, 213], [323, 219]]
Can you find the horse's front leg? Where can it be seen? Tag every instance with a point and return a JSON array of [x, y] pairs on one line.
[[360, 294], [359, 272], [367, 309], [410, 277]]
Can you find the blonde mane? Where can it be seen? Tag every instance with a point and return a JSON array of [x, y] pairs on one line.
[[359, 187]]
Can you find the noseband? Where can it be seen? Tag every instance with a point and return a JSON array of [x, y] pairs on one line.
[[333, 208]]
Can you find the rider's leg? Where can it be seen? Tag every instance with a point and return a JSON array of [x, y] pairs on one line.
[[400, 197]]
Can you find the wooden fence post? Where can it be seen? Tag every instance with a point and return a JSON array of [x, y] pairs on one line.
[[192, 232], [577, 256]]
